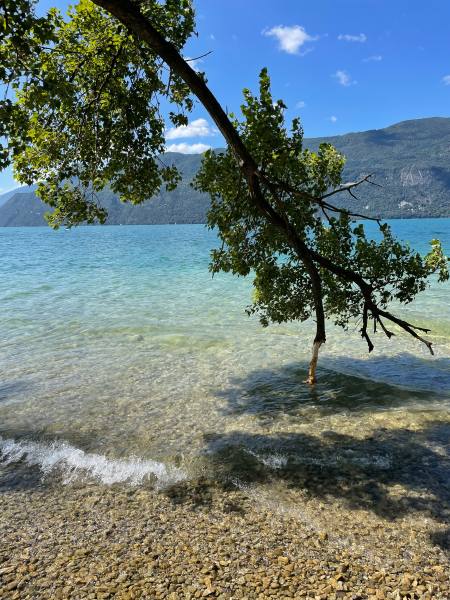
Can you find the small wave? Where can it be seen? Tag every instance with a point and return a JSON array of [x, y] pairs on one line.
[[73, 463]]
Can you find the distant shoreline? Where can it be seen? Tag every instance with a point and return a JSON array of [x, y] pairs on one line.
[[412, 218]]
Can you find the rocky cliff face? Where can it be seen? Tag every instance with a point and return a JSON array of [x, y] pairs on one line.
[[410, 160]]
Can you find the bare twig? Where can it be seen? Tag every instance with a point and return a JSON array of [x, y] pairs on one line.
[[198, 57], [346, 187]]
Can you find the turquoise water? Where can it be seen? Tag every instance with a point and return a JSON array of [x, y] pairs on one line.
[[121, 359]]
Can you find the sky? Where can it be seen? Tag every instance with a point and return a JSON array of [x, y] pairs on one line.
[[341, 65]]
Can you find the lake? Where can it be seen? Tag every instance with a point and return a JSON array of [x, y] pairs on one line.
[[122, 360]]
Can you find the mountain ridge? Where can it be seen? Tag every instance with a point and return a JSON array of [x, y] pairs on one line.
[[410, 160]]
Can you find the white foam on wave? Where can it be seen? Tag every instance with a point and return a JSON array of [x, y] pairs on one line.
[[73, 463]]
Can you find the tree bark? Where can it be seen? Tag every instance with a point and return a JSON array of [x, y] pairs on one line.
[[313, 364]]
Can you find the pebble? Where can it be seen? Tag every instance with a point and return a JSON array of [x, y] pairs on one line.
[[99, 542]]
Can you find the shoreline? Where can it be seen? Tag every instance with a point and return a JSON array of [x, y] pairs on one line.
[[203, 223]]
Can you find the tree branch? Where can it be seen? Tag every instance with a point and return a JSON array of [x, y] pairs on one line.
[[320, 200], [140, 26], [108, 75], [388, 333], [364, 333], [408, 327], [346, 187], [198, 57]]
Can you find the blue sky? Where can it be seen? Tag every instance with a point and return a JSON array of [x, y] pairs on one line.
[[342, 65]]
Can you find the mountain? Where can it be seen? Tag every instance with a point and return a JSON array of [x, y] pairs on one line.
[[183, 205], [7, 195], [410, 160]]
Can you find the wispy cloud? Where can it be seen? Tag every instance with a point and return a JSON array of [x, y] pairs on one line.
[[333, 119], [197, 128], [184, 148], [446, 80], [346, 37], [290, 38], [343, 78], [300, 104], [193, 62], [373, 58]]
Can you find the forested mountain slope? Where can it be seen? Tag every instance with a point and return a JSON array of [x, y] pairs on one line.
[[410, 160]]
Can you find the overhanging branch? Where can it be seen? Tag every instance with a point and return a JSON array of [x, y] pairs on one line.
[[140, 26], [346, 187]]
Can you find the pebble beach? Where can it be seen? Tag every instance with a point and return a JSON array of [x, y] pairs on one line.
[[197, 540]]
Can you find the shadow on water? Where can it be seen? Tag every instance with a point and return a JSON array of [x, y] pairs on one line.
[[392, 472], [360, 471], [10, 389], [406, 370], [269, 393]]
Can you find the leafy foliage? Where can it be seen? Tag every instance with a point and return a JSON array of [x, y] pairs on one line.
[[86, 107], [292, 175]]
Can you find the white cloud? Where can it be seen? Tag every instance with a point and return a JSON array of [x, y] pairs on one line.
[[300, 104], [373, 58], [188, 148], [333, 119], [345, 37], [446, 80], [343, 78], [197, 128], [290, 39]]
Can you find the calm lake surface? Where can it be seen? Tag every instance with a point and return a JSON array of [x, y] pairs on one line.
[[122, 360]]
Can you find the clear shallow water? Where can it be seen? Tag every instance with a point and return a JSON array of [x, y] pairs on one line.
[[121, 359]]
